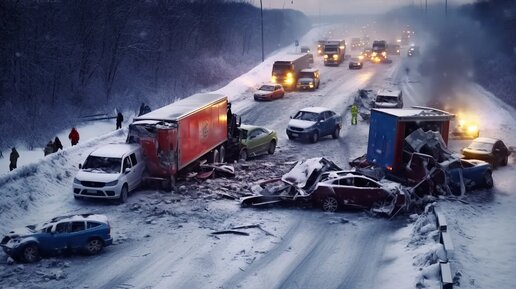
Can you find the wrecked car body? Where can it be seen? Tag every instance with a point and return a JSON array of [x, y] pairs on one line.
[[318, 182]]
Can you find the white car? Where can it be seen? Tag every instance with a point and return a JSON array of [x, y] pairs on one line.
[[389, 98], [110, 172]]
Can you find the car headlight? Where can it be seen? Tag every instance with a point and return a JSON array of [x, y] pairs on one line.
[[76, 181], [274, 78], [113, 183], [336, 57], [384, 53], [325, 56], [373, 54], [472, 129], [289, 80]]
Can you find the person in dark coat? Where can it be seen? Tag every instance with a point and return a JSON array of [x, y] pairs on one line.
[[49, 148], [119, 120], [13, 158], [57, 144], [142, 109], [74, 136]]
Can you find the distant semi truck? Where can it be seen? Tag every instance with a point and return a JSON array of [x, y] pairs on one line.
[[286, 72], [334, 51], [379, 51]]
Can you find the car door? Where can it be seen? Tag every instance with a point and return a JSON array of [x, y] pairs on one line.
[[366, 192], [61, 236], [253, 142], [77, 237], [277, 91], [128, 176], [329, 122], [137, 169]]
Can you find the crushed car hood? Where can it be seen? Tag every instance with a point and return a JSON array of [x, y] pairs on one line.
[[302, 172], [301, 123]]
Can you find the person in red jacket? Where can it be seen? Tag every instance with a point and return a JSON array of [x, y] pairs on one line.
[[74, 136]]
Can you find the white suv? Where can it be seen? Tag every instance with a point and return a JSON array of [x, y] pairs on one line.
[[110, 172]]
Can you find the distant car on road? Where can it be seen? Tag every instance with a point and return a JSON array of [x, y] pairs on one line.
[[355, 63], [88, 233], [305, 49], [312, 123], [309, 79], [256, 140], [413, 51], [490, 150], [269, 92]]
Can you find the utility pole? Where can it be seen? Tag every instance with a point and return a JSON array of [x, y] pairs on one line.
[[261, 16]]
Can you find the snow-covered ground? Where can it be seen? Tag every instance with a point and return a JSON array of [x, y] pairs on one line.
[[163, 240]]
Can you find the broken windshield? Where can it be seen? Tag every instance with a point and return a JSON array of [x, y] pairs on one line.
[[386, 98], [102, 164]]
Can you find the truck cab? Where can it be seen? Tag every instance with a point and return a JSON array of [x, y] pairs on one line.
[[309, 79]]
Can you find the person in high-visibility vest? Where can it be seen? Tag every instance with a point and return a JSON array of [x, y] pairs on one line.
[[354, 114]]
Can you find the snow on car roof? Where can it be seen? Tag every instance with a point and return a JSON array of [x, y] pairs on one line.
[[389, 92], [315, 109], [114, 150], [485, 140], [301, 171], [417, 113], [79, 217], [309, 70], [248, 126], [290, 57], [183, 107]]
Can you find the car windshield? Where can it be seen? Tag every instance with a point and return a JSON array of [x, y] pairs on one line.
[[280, 69], [267, 88], [386, 98], [243, 133], [306, 75], [306, 115], [330, 49], [481, 146], [102, 164]]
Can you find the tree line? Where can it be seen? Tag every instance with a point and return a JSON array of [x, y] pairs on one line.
[[63, 59]]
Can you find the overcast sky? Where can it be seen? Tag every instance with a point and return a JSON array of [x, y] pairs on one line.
[[311, 7]]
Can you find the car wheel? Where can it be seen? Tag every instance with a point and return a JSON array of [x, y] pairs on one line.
[[315, 137], [243, 155], [272, 147], [123, 194], [329, 204], [488, 179], [30, 253], [336, 133], [94, 246]]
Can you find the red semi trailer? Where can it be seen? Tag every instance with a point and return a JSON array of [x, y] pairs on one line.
[[178, 135]]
